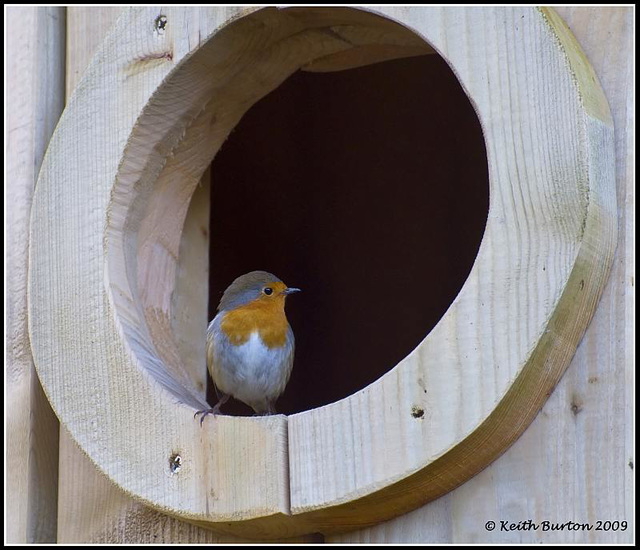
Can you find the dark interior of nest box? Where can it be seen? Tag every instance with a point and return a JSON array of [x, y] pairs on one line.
[[367, 188]]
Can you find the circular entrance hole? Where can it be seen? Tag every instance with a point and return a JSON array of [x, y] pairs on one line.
[[368, 188]]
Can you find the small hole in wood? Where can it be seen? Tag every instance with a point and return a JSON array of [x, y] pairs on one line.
[[417, 412], [160, 24], [175, 463]]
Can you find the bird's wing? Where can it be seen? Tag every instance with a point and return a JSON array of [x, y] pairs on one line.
[[291, 341], [210, 352], [210, 345]]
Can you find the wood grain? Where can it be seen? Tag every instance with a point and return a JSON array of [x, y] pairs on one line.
[[81, 489], [35, 97], [485, 370], [189, 301], [93, 509], [370, 45], [86, 28], [575, 461], [136, 139]]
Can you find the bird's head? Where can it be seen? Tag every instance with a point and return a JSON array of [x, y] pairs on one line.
[[256, 286]]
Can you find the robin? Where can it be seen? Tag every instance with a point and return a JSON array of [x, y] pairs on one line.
[[250, 344]]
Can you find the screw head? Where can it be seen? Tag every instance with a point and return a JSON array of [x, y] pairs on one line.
[[160, 24]]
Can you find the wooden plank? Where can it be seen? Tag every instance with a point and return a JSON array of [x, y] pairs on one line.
[[483, 373], [102, 513], [86, 27], [194, 443], [92, 508], [96, 511], [35, 98], [207, 487], [79, 484], [575, 462]]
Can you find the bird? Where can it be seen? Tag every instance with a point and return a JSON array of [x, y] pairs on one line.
[[250, 344]]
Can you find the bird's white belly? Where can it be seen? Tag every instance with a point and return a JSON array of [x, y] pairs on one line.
[[251, 372]]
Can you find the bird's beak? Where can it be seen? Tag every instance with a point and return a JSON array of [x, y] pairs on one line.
[[290, 290]]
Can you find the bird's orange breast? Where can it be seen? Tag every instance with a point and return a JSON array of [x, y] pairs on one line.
[[268, 318]]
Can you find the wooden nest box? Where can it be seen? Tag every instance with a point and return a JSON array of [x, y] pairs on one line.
[[108, 228]]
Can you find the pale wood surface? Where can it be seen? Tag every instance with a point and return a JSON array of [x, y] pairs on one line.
[[93, 509], [547, 243], [370, 45], [35, 98], [227, 469], [86, 27], [484, 371], [575, 461], [190, 300], [81, 489]]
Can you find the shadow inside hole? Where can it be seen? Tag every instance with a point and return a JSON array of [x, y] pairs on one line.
[[368, 189]]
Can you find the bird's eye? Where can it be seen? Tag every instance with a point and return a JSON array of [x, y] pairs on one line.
[[268, 291]]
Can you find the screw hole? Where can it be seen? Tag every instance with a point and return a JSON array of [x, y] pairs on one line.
[[175, 463], [160, 23]]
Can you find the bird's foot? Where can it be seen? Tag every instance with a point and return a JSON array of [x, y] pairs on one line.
[[214, 411]]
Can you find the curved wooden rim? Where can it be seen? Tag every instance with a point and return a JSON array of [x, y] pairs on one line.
[[118, 217]]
